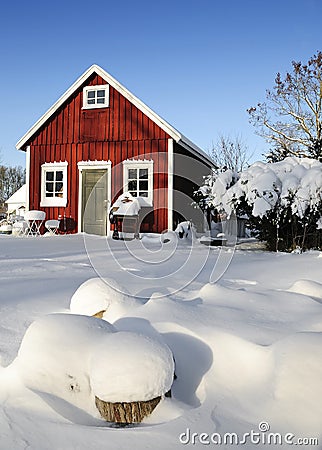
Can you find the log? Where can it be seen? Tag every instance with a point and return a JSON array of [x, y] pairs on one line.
[[126, 413]]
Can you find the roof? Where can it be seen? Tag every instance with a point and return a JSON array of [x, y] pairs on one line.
[[165, 126], [19, 197]]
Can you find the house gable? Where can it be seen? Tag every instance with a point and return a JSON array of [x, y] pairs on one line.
[[119, 121], [72, 99]]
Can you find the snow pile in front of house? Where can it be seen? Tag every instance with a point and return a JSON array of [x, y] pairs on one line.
[[55, 352], [307, 287], [76, 358], [136, 368], [247, 348], [297, 379], [102, 294], [279, 383]]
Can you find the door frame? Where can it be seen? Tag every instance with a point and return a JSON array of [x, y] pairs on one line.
[[94, 165]]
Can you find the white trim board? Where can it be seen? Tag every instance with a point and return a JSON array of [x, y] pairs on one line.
[[165, 126], [27, 177], [170, 184]]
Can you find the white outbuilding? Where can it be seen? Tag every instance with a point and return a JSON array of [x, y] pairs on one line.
[[17, 202]]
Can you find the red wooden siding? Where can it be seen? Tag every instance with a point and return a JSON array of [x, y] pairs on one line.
[[116, 133], [121, 121]]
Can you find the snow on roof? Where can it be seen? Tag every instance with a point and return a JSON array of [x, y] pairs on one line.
[[169, 129], [19, 197]]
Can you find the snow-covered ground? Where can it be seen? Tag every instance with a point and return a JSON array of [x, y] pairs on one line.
[[244, 326]]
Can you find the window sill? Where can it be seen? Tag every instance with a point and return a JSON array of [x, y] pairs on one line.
[[54, 204], [84, 108]]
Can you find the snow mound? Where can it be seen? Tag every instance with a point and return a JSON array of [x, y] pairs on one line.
[[149, 362], [168, 236], [76, 358], [297, 378], [281, 381], [307, 287], [55, 352], [96, 295]]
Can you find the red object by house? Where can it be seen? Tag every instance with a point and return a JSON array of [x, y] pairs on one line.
[[98, 141]]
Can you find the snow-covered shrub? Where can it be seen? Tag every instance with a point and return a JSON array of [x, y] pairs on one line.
[[283, 200], [87, 361], [209, 194]]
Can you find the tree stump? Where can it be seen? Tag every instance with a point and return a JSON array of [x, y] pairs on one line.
[[100, 314], [126, 413]]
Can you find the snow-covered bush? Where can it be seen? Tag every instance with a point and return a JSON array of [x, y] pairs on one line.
[[283, 200], [209, 194], [84, 360]]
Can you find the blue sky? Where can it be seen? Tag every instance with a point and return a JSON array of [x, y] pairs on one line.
[[199, 64]]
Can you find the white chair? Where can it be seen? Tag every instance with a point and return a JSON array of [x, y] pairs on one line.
[[19, 228], [34, 219], [52, 226]]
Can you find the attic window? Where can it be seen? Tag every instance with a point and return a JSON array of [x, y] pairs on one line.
[[96, 96]]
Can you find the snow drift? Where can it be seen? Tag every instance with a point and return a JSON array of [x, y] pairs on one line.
[[247, 348]]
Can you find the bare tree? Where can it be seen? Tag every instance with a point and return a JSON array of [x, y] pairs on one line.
[[290, 118], [230, 153], [11, 179]]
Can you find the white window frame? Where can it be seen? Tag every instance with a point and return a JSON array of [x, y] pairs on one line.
[[102, 87], [139, 164], [53, 167]]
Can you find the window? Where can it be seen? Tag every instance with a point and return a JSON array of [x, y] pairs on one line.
[[138, 180], [54, 184], [96, 96]]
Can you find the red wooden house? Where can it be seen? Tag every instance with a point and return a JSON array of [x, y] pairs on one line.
[[99, 140]]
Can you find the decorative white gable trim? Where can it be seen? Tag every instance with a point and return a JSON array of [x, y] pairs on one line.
[[137, 160], [55, 164], [94, 165]]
